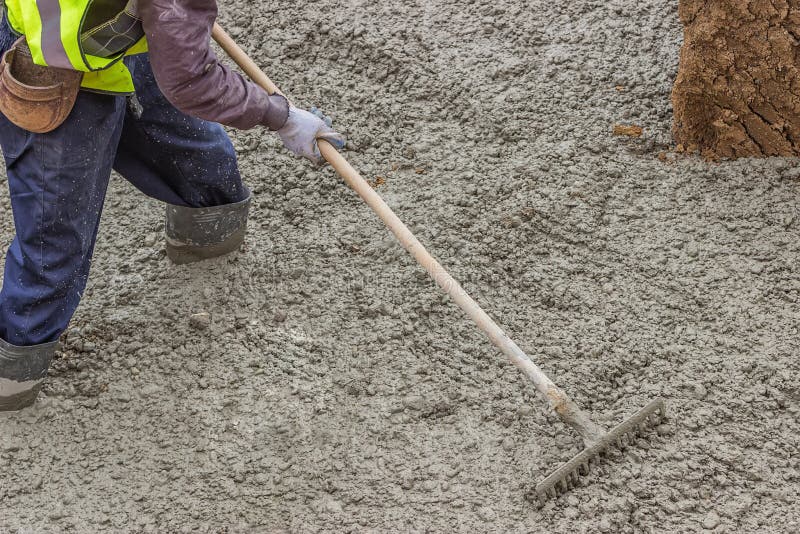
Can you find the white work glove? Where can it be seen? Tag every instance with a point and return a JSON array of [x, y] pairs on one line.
[[303, 128]]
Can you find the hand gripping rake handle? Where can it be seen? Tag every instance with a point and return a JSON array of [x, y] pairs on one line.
[[556, 397]]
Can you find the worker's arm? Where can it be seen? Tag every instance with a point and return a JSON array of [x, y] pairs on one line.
[[194, 81], [190, 75]]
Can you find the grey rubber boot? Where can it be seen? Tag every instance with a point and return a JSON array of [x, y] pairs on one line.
[[195, 234], [22, 371]]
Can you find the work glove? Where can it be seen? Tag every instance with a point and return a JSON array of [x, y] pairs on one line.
[[303, 128]]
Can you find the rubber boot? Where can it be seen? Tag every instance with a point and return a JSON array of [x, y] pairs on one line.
[[196, 234], [22, 371]]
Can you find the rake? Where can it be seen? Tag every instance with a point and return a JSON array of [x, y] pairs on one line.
[[596, 438]]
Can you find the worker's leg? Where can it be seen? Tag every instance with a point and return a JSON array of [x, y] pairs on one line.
[[188, 163], [57, 183]]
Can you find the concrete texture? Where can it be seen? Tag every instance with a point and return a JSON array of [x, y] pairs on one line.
[[319, 382]]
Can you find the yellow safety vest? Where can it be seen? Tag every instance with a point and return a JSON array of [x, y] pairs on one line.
[[91, 36]]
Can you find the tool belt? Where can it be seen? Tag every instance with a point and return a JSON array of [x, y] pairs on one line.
[[33, 97]]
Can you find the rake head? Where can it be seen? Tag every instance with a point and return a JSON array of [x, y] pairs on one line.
[[626, 432]]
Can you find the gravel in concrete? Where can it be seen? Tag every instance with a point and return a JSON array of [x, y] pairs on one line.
[[319, 382]]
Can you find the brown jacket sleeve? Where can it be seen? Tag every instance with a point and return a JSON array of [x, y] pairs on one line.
[[190, 75]]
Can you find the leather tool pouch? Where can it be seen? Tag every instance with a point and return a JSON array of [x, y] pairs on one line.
[[35, 98]]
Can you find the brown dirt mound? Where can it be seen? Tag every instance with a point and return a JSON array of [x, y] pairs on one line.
[[738, 88]]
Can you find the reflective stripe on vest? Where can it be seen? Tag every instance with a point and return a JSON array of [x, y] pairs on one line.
[[91, 36]]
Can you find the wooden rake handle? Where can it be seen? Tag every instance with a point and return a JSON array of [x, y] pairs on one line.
[[353, 179]]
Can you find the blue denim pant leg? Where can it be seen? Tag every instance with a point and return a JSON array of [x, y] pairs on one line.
[[171, 156], [57, 183]]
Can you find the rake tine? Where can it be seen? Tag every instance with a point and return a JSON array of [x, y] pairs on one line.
[[622, 435]]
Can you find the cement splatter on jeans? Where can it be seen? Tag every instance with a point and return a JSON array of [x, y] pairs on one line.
[[57, 184]]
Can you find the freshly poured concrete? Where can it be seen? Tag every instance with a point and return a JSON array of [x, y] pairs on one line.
[[319, 382]]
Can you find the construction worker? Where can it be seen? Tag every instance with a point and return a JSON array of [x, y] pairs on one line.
[[87, 86]]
